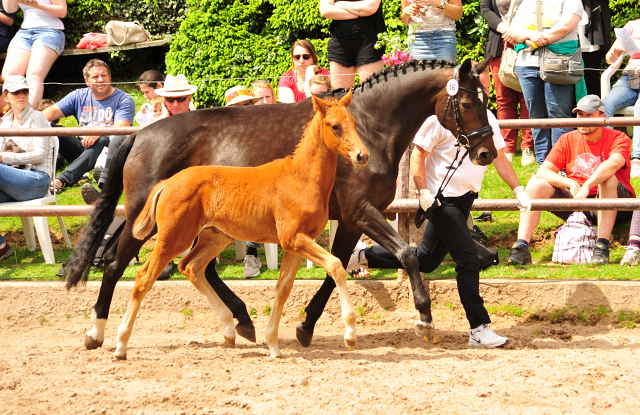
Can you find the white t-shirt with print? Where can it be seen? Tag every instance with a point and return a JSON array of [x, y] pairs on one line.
[[441, 145]]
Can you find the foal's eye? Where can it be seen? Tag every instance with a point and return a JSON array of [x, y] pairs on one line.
[[335, 127]]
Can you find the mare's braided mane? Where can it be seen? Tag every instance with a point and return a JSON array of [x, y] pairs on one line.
[[396, 69]]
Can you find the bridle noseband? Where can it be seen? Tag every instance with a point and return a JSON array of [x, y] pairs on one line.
[[464, 139]]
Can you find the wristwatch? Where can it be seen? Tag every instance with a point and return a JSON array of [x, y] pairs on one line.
[[442, 5]]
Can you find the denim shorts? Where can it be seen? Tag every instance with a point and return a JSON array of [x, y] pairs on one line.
[[437, 44], [27, 38]]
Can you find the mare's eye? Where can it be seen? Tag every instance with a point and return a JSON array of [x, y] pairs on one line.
[[466, 105]]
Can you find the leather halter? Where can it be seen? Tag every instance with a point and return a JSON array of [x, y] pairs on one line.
[[464, 139]]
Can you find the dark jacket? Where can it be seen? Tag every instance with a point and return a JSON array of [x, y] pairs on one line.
[[490, 13], [598, 31]]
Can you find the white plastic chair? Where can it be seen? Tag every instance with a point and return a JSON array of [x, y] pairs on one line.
[[605, 88], [42, 228]]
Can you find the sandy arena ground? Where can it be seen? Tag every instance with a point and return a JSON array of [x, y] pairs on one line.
[[177, 364]]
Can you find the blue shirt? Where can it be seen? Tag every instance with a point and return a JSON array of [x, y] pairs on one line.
[[91, 112], [5, 31]]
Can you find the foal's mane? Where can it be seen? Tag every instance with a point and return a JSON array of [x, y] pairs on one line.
[[382, 76]]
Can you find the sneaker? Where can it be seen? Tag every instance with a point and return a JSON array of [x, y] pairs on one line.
[[358, 259], [5, 252], [600, 254], [168, 271], [252, 266], [89, 194], [519, 255], [527, 157], [97, 172], [510, 156], [635, 168], [631, 257], [485, 337]]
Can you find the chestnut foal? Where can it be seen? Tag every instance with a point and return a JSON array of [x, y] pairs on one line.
[[285, 201]]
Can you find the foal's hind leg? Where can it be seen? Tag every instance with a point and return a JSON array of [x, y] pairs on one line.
[[308, 248], [145, 278], [210, 243], [126, 248], [290, 264]]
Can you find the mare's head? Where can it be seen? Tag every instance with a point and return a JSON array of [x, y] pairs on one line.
[[339, 129], [463, 111]]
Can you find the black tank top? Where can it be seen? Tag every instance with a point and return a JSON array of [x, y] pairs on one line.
[[362, 27]]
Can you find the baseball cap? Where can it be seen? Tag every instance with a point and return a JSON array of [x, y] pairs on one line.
[[15, 83], [589, 104]]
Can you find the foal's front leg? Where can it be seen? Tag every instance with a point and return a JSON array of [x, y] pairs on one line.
[[308, 248], [289, 268]]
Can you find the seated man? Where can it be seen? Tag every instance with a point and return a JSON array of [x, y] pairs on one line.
[[98, 105], [597, 164]]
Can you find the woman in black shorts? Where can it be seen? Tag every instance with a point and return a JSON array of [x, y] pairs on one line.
[[354, 32]]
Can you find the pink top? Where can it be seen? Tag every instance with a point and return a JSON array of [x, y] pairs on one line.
[[633, 27], [289, 80]]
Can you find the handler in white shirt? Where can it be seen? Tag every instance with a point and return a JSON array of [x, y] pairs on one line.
[[447, 232]]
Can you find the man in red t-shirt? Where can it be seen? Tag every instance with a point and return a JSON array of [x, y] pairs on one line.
[[597, 164]]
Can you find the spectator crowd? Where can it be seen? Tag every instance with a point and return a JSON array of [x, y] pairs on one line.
[[588, 162]]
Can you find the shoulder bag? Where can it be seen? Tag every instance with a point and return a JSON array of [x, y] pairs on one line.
[[124, 33], [556, 68], [507, 72]]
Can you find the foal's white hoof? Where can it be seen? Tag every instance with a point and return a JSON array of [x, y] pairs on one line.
[[276, 354], [426, 331], [230, 341], [123, 357], [351, 344]]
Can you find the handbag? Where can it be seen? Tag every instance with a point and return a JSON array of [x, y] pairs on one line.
[[507, 71], [556, 68], [575, 241], [124, 33], [11, 147]]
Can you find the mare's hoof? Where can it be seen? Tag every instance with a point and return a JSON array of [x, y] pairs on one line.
[[230, 342], [351, 344], [121, 357], [303, 336], [247, 331], [91, 343], [427, 331]]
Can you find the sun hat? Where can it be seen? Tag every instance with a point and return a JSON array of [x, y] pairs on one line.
[[15, 83], [176, 86], [589, 104], [239, 95]]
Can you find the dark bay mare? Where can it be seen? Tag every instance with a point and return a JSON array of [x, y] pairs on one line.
[[389, 108]]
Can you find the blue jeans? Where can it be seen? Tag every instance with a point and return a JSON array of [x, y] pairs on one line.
[[545, 100], [446, 233], [20, 185], [438, 44], [82, 159], [622, 96]]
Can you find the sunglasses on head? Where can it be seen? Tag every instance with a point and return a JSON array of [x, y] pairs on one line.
[[21, 91], [304, 56], [171, 100], [260, 82]]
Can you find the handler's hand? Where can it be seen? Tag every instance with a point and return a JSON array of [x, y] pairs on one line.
[[427, 199], [89, 140], [523, 199]]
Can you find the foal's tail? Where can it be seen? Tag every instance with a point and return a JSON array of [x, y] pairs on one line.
[[146, 220], [78, 266]]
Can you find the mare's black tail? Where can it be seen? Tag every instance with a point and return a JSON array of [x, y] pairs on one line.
[[78, 267]]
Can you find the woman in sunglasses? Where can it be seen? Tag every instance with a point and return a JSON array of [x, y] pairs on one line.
[[304, 62], [354, 32], [26, 163]]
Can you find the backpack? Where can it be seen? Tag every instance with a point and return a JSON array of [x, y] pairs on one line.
[[488, 255], [575, 240]]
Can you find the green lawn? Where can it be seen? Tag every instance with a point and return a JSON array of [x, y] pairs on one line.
[[501, 231]]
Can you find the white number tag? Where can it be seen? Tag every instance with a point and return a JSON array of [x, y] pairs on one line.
[[452, 87]]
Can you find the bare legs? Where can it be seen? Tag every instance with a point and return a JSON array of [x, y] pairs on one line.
[[33, 65], [345, 77]]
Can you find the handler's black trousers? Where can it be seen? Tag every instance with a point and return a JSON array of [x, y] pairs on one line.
[[447, 233]]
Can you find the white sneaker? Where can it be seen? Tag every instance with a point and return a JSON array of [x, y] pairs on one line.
[[527, 157], [635, 168], [483, 336], [358, 260], [252, 266], [631, 257], [510, 156]]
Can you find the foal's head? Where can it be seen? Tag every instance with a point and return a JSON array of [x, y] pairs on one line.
[[339, 129]]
